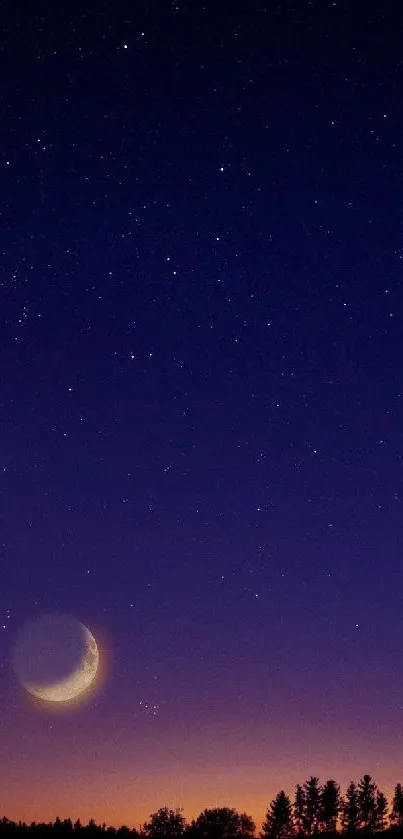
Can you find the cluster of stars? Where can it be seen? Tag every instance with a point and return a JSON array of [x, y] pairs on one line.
[[150, 709]]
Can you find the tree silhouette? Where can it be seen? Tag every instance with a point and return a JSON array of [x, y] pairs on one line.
[[278, 823], [247, 826], [311, 814], [165, 824], [330, 803], [381, 812], [367, 802], [350, 810], [316, 810], [222, 823], [396, 815], [299, 809]]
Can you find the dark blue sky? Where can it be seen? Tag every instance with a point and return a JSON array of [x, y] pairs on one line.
[[201, 389]]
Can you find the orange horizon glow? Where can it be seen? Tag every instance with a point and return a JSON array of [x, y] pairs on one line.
[[116, 805], [130, 766]]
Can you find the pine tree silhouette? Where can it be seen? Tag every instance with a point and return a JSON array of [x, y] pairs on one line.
[[311, 814], [278, 823], [367, 802], [350, 810], [396, 815], [330, 803], [299, 809], [381, 812]]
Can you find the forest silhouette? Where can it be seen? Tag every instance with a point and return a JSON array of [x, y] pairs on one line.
[[315, 809]]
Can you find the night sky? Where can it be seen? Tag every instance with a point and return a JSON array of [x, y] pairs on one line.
[[201, 392]]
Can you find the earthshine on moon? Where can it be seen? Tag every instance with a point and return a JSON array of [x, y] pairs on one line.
[[40, 659], [77, 682]]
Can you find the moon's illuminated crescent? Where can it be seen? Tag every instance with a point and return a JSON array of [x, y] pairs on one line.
[[77, 682]]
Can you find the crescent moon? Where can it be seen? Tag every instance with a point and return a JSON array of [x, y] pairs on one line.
[[77, 682]]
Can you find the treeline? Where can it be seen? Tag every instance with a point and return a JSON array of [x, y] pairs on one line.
[[315, 809]]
